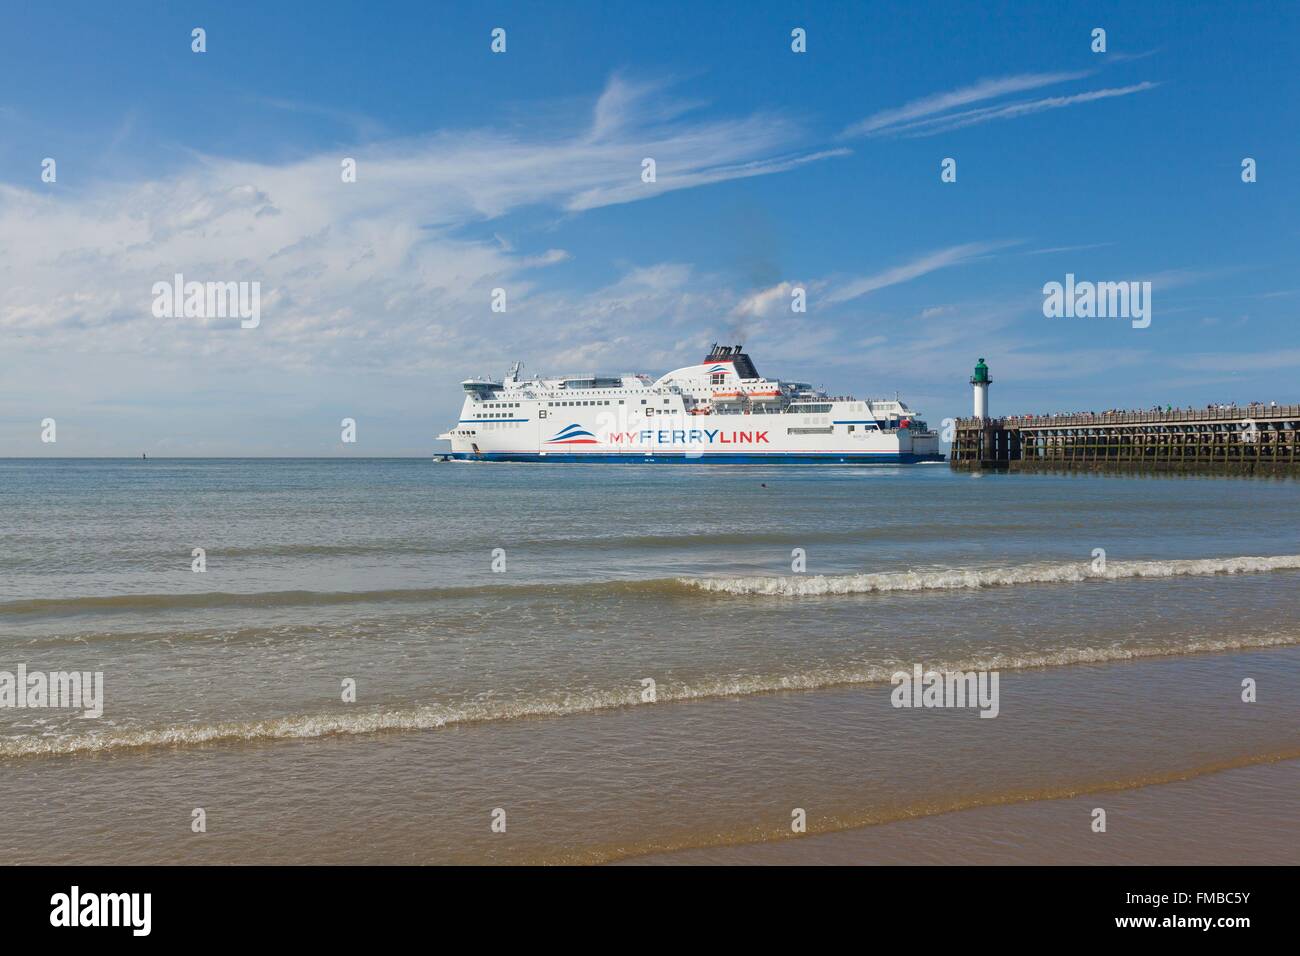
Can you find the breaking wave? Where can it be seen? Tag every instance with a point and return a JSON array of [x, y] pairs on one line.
[[561, 704], [974, 578], [781, 586]]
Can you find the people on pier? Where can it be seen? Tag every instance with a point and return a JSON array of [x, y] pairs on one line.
[[1249, 409]]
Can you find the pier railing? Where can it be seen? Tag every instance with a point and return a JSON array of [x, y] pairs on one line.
[[1152, 417], [1245, 438]]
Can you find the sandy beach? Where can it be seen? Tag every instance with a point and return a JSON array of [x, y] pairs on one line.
[[1240, 816]]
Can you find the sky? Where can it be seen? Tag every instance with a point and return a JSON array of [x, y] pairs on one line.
[[522, 170]]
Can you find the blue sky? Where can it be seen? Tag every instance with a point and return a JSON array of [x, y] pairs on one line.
[[522, 171]]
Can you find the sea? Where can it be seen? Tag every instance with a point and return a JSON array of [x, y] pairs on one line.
[[405, 661]]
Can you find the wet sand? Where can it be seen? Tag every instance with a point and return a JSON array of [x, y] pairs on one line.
[[633, 781], [1248, 816]]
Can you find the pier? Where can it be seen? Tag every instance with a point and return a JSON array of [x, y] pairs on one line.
[[1262, 439]]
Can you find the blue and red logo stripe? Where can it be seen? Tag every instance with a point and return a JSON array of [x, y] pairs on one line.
[[572, 435]]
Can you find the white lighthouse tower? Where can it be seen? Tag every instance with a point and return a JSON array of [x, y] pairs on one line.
[[981, 381]]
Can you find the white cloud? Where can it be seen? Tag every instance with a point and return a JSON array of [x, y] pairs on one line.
[[375, 271], [941, 113], [943, 124], [985, 89], [922, 265], [766, 301]]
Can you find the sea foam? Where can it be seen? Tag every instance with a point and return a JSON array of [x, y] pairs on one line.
[[592, 700], [972, 578]]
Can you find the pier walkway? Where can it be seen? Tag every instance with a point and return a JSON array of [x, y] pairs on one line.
[[1251, 439]]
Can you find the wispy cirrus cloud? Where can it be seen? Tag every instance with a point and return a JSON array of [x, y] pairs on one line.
[[944, 124], [913, 269], [985, 89], [348, 270], [775, 300], [941, 112]]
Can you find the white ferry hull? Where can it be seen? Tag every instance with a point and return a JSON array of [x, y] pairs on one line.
[[718, 412], [709, 458]]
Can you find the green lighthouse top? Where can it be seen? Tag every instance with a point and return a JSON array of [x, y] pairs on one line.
[[981, 376]]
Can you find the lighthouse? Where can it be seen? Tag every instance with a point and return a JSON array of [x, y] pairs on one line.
[[981, 381]]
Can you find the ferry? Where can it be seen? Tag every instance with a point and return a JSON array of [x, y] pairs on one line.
[[721, 410]]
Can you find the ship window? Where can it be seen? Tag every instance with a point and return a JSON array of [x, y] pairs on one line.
[[643, 401], [541, 413], [850, 428], [620, 401], [717, 378]]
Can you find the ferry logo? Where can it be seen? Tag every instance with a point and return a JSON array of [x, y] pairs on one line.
[[687, 436], [573, 434], [719, 368]]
